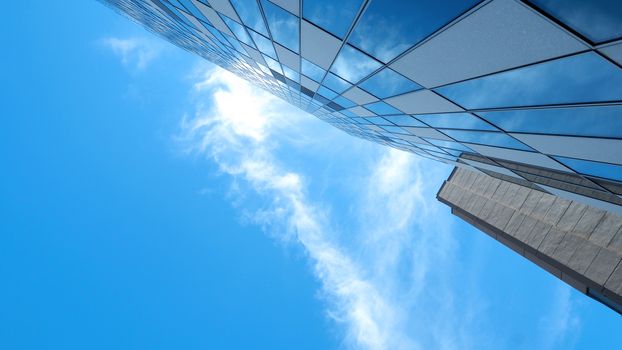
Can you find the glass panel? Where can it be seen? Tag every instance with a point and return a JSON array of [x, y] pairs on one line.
[[283, 25], [274, 65], [250, 15], [335, 83], [581, 78], [389, 27], [311, 70], [345, 102], [394, 129], [334, 16], [238, 30], [404, 120], [378, 120], [263, 44], [598, 20], [605, 121], [325, 92], [604, 170], [290, 73], [486, 138], [449, 144], [387, 83], [353, 65], [455, 121], [382, 108]]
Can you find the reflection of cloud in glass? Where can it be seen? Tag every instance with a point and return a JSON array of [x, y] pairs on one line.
[[283, 25], [607, 171], [382, 108], [404, 120], [311, 70], [389, 27], [486, 138], [238, 30], [387, 83], [455, 121], [353, 65], [250, 15], [263, 44], [604, 121], [599, 20], [335, 83], [334, 16], [449, 144], [585, 77]]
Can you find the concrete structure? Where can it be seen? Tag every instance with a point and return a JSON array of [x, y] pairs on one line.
[[578, 243]]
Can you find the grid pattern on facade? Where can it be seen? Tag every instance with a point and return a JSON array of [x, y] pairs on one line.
[[527, 82]]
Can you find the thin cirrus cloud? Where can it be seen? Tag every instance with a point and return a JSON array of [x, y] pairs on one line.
[[135, 53], [373, 236]]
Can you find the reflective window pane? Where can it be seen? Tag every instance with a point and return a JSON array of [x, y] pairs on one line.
[[581, 78], [335, 83], [353, 65], [263, 44], [389, 27], [486, 138], [449, 144], [387, 83], [328, 93], [334, 16], [382, 108], [455, 121], [238, 30], [603, 121], [344, 102], [604, 170], [311, 70], [283, 25], [250, 15], [598, 20], [403, 120]]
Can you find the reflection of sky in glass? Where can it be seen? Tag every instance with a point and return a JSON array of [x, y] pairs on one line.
[[250, 15], [598, 20], [353, 65], [449, 144], [311, 70], [344, 102], [378, 120], [581, 78], [404, 120], [389, 27], [290, 73], [604, 170], [283, 25], [382, 108], [335, 83], [263, 44], [455, 121], [334, 16], [328, 93], [387, 83], [238, 30], [605, 121], [395, 129], [486, 138], [274, 65]]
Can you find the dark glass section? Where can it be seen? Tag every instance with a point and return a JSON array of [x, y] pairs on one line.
[[598, 20]]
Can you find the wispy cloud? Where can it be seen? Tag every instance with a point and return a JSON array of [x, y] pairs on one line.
[[373, 233], [135, 53]]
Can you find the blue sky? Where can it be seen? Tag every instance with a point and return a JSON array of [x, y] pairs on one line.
[[150, 200]]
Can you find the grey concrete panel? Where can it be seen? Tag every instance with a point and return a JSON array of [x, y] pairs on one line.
[[606, 229], [546, 245], [601, 268], [571, 216], [567, 248], [556, 210], [583, 256]]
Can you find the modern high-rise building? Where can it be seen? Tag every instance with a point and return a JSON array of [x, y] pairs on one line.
[[523, 97]]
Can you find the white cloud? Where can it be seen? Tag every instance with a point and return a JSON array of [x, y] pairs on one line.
[[135, 53], [372, 251]]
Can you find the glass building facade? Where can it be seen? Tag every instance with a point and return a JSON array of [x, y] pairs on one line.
[[526, 90]]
